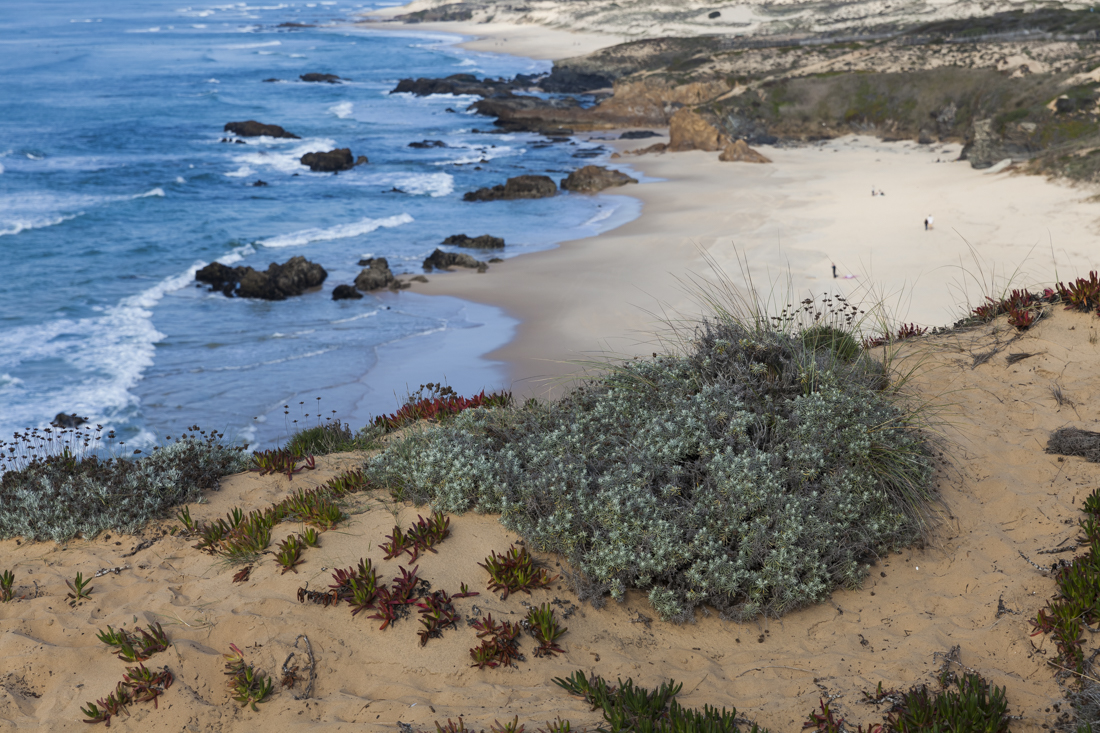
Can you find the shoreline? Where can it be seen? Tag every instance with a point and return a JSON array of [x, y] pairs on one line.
[[790, 220]]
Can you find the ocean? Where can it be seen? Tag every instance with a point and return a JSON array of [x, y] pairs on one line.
[[115, 187]]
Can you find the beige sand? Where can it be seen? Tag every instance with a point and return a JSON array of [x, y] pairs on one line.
[[811, 208], [1002, 494], [532, 41]]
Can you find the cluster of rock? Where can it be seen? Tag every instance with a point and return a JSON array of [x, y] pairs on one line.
[[322, 78], [440, 260], [279, 282], [428, 144], [594, 178], [519, 187], [333, 161], [485, 241]]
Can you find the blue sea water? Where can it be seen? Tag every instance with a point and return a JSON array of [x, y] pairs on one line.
[[115, 188]]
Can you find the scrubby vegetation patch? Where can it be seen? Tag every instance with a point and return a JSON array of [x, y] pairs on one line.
[[58, 496], [755, 471]]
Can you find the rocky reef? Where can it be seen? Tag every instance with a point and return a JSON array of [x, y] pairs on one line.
[[519, 187], [594, 178], [333, 161], [485, 241], [279, 282], [252, 128]]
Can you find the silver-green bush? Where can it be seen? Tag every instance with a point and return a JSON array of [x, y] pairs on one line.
[[60, 496], [750, 473]]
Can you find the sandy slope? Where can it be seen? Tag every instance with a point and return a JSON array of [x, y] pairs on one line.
[[654, 18], [1002, 495]]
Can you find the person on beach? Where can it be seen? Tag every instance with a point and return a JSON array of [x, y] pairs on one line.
[[928, 222]]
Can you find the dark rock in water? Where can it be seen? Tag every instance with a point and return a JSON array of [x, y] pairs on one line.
[[375, 275], [638, 134], [485, 241], [272, 79], [251, 128], [259, 184], [452, 111], [231, 140], [428, 144], [333, 161], [345, 292], [441, 260], [460, 84], [589, 153], [520, 187], [593, 178], [714, 14], [68, 421], [325, 78], [295, 25], [280, 282]]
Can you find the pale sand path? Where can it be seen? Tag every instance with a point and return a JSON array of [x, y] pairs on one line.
[[808, 209], [1004, 495]]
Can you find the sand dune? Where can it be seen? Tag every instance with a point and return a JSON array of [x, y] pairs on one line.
[[1001, 495]]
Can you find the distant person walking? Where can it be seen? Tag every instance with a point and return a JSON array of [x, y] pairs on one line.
[[928, 222]]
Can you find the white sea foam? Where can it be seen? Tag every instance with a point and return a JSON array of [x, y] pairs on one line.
[[152, 192], [275, 153], [369, 314], [213, 81], [604, 213], [15, 226], [1, 167], [179, 179], [241, 172], [433, 184], [32, 156], [341, 231], [199, 26], [155, 29], [254, 365], [342, 110], [480, 153], [254, 45]]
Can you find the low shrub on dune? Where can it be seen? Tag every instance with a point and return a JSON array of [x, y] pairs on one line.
[[754, 470]]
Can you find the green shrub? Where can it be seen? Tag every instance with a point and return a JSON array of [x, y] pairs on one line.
[[59, 496], [752, 472]]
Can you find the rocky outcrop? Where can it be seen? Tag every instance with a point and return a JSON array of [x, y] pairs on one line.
[[70, 420], [279, 282], [322, 78], [460, 84], [520, 187], [739, 152], [251, 128], [333, 161], [485, 241], [345, 292], [567, 80], [638, 134], [649, 102], [428, 144], [987, 147], [594, 178], [441, 260], [688, 130], [375, 276]]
